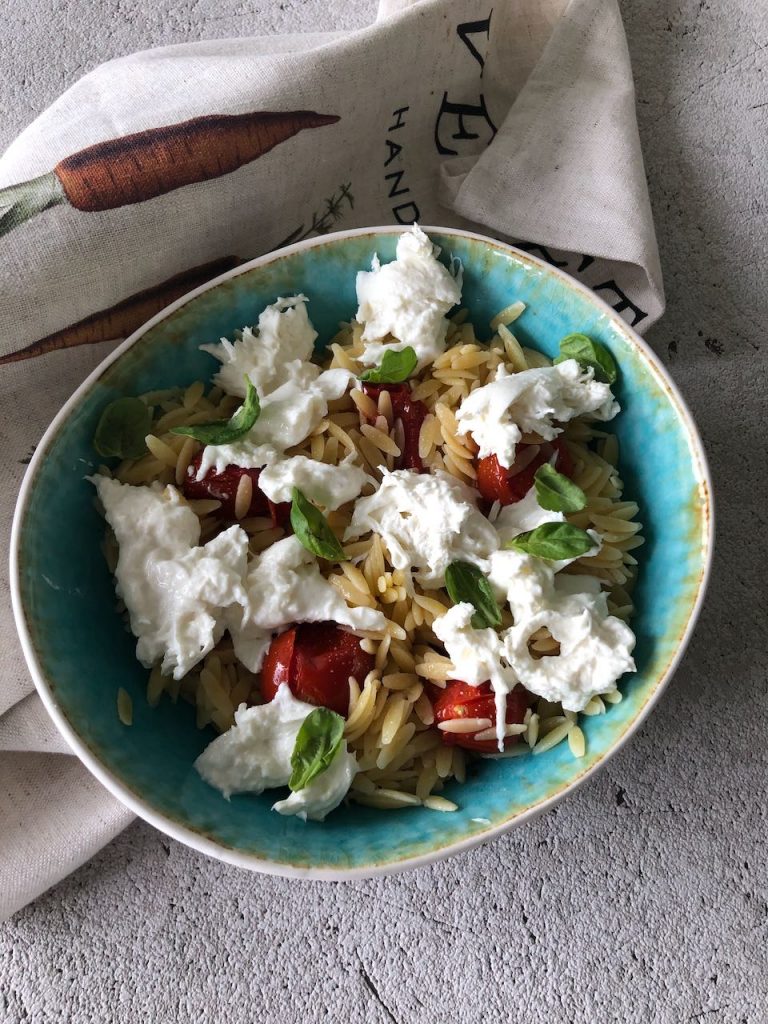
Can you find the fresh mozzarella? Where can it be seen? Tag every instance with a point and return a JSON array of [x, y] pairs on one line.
[[532, 401], [404, 303], [475, 653], [284, 586], [268, 356], [294, 393], [426, 522], [520, 580], [326, 485], [176, 593], [595, 647], [325, 792], [525, 515], [478, 655], [288, 415], [255, 754], [522, 516]]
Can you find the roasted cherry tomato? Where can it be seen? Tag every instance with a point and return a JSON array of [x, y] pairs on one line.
[[563, 462], [496, 484], [316, 660], [223, 487], [460, 700], [411, 414]]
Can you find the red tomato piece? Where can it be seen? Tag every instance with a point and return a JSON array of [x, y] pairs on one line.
[[316, 660], [493, 481], [563, 462], [496, 484], [460, 700], [276, 669], [223, 487], [411, 414]]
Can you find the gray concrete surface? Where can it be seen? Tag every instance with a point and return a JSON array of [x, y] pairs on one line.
[[644, 897]]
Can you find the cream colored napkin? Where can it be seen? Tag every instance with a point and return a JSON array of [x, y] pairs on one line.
[[157, 171]]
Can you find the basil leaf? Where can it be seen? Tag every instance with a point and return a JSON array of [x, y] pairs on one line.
[[311, 527], [227, 431], [553, 541], [588, 353], [394, 369], [317, 741], [122, 428], [465, 582], [555, 492]]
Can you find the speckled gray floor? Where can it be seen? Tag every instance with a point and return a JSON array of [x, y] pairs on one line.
[[643, 897]]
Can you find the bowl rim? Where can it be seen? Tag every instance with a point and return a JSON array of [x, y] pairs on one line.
[[255, 862]]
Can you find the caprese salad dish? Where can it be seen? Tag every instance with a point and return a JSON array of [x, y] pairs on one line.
[[368, 566]]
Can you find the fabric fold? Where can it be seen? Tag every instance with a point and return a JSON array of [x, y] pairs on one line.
[[55, 816], [549, 175]]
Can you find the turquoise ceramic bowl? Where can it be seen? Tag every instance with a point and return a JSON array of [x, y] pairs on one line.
[[79, 652]]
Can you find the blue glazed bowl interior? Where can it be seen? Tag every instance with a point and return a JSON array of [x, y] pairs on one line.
[[83, 652]]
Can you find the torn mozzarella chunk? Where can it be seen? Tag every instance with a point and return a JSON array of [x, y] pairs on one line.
[[426, 522], [255, 754], [523, 516], [595, 647], [475, 653], [478, 655], [293, 392], [526, 515], [325, 792], [520, 580], [283, 337], [532, 401], [327, 485], [406, 300], [288, 416], [284, 586], [176, 593]]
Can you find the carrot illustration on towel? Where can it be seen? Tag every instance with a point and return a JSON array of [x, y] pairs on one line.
[[134, 168], [124, 317]]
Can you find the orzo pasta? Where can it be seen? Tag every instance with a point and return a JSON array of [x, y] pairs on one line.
[[441, 558]]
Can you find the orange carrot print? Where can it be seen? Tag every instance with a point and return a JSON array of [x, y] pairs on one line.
[[123, 318], [134, 168]]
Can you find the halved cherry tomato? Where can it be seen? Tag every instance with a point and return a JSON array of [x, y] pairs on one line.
[[223, 487], [460, 700], [411, 414], [316, 660], [496, 484]]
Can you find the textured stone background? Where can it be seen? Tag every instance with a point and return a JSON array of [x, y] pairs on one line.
[[643, 897]]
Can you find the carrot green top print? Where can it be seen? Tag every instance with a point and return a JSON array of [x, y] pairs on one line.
[[137, 167]]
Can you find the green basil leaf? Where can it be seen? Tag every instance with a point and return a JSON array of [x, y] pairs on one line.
[[311, 527], [465, 582], [555, 492], [317, 741], [588, 353], [227, 431], [394, 369], [553, 541], [122, 428]]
